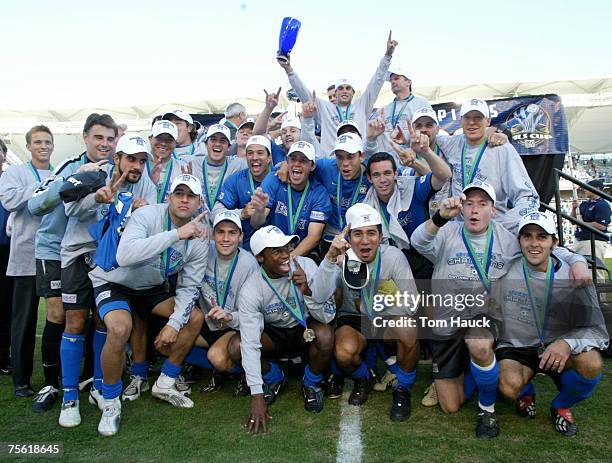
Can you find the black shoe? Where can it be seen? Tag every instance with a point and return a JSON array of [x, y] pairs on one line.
[[242, 388], [24, 391], [215, 384], [44, 399], [271, 391], [486, 424], [6, 369], [360, 392], [192, 373], [313, 399], [563, 421], [334, 386], [400, 409]]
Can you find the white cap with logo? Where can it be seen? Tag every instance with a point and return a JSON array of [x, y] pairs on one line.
[[398, 71], [218, 128], [540, 219], [231, 216], [270, 237], [291, 122], [247, 121], [349, 142], [132, 144], [362, 215], [305, 148], [350, 123], [183, 115], [163, 126], [425, 112], [484, 186], [189, 181], [259, 140], [475, 104], [344, 81]]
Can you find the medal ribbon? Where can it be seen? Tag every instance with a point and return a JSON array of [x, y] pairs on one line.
[[339, 197], [35, 173], [252, 181], [213, 193], [541, 319], [472, 173], [296, 312], [346, 115], [167, 226], [367, 294], [161, 194], [482, 268], [221, 298], [294, 218], [395, 120]]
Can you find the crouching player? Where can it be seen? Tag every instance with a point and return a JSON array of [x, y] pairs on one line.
[[162, 259], [370, 262], [281, 312], [551, 326]]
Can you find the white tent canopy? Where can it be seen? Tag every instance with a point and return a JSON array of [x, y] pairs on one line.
[[588, 105]]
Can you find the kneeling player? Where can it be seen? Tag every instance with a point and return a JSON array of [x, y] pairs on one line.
[[281, 313], [358, 318], [161, 243], [550, 326]]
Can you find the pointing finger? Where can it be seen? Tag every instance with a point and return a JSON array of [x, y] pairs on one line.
[[389, 35], [278, 92]]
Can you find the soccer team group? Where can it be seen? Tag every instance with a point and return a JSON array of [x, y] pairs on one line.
[[254, 251]]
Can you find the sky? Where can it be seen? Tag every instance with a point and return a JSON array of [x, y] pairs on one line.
[[72, 54]]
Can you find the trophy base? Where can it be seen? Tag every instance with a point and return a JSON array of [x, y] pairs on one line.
[[282, 58]]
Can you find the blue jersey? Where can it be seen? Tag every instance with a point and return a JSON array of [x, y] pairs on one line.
[[315, 206], [236, 193], [278, 153], [350, 191], [418, 212]]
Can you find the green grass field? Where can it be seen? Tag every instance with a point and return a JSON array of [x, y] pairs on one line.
[[155, 431]]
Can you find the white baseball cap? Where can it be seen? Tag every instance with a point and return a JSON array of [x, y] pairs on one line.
[[132, 144], [259, 140], [183, 115], [247, 121], [232, 216], [345, 81], [399, 71], [163, 126], [349, 142], [188, 180], [540, 219], [475, 104], [218, 128], [291, 122], [484, 186], [362, 215], [303, 147], [425, 112], [350, 123], [270, 237]]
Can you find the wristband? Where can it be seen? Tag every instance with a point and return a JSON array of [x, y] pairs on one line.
[[438, 220]]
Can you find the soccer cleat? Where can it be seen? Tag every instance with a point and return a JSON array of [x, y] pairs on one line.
[[70, 416], [182, 386], [242, 388], [361, 391], [400, 408], [563, 421], [313, 399], [487, 424], [215, 384], [526, 406], [192, 373], [95, 398], [171, 395], [6, 369], [137, 386], [335, 385], [430, 397], [24, 391], [83, 384], [271, 391], [111, 417], [388, 379], [44, 399]]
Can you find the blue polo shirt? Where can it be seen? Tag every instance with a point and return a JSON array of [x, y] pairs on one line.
[[278, 153], [594, 210]]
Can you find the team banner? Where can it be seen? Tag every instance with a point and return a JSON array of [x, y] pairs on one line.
[[537, 123]]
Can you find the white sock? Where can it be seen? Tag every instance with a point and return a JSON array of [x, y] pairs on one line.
[[487, 368], [165, 381], [488, 408], [391, 360]]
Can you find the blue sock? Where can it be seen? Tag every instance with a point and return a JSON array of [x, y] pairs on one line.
[[141, 369], [170, 369], [405, 379], [112, 391], [370, 357], [71, 353], [361, 372], [469, 385], [98, 344], [236, 370], [486, 380], [334, 368], [528, 389], [199, 356], [393, 368], [310, 379], [574, 388], [274, 375]]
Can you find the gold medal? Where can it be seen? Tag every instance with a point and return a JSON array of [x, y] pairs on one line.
[[309, 335]]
